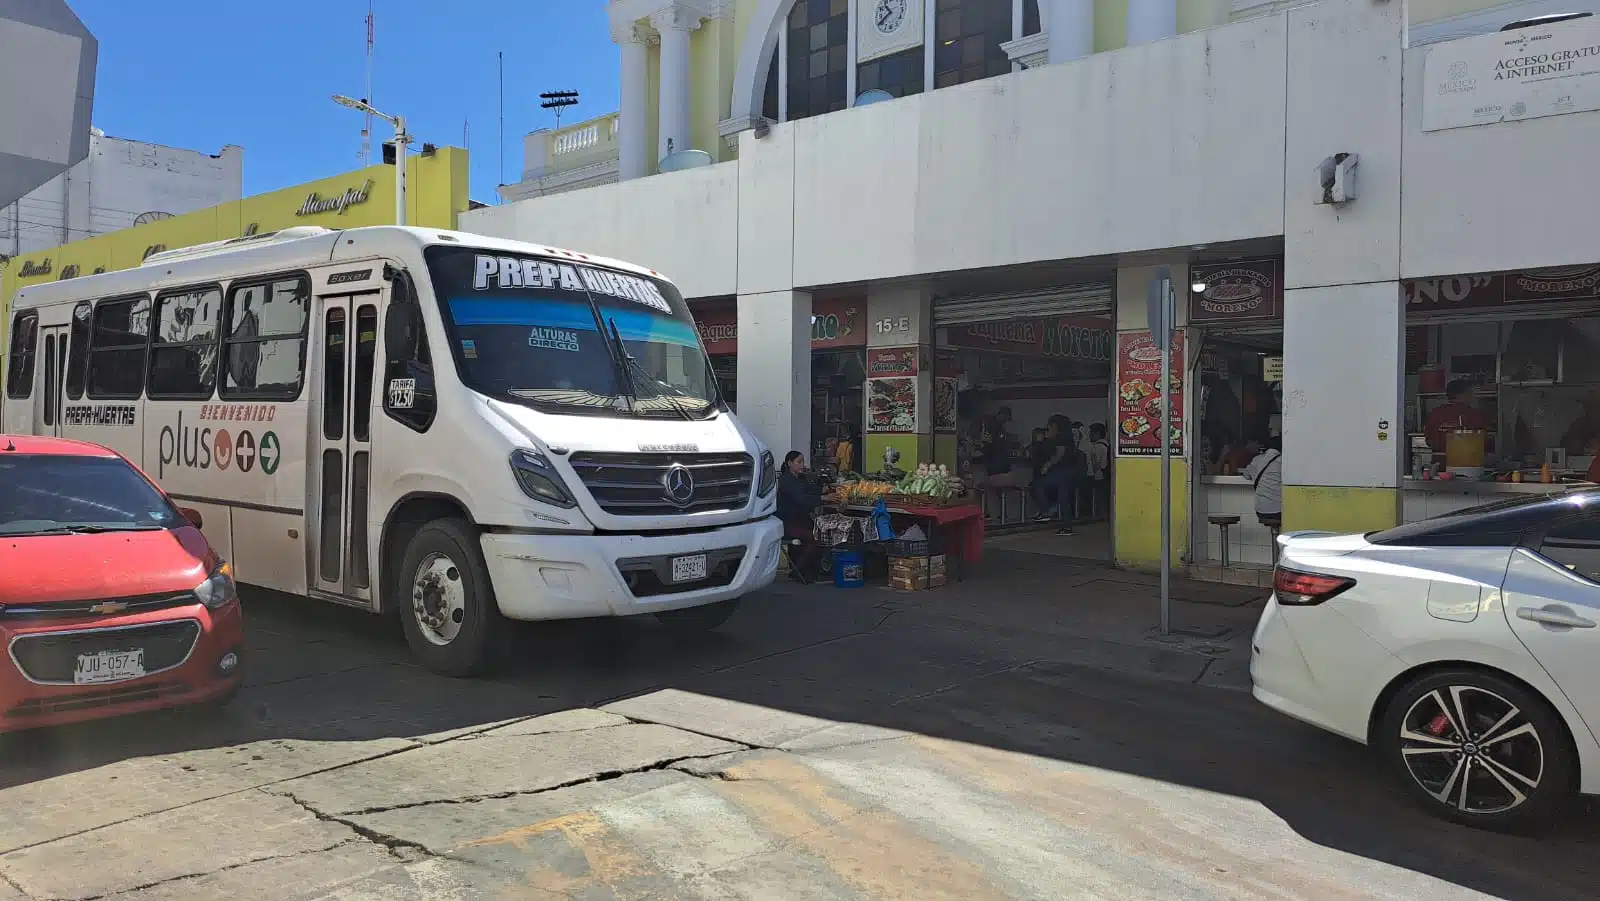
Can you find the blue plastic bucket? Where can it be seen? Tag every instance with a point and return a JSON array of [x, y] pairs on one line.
[[849, 569]]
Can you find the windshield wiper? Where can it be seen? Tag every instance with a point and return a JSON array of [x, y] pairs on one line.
[[631, 364], [83, 529]]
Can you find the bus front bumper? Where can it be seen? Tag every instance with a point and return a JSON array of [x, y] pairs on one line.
[[540, 577]]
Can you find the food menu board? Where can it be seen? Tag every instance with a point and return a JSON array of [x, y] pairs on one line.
[[1139, 394]]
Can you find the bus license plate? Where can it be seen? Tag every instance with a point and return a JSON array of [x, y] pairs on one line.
[[689, 569], [109, 666]]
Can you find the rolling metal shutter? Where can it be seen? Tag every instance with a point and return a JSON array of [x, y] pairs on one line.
[[1078, 300]]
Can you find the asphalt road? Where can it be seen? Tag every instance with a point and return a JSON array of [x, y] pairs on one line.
[[827, 745]]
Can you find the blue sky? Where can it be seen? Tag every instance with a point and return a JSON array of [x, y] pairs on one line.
[[199, 75]]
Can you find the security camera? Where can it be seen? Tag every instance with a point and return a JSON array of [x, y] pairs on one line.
[[1336, 178]]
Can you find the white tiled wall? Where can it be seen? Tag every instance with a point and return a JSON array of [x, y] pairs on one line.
[[1419, 504], [1248, 540]]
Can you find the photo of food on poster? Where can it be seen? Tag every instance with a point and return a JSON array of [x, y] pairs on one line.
[[944, 405], [1139, 395], [892, 405]]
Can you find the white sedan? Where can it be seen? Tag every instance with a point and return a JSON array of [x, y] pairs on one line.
[[1463, 648]]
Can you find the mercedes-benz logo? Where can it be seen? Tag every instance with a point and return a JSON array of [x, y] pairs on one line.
[[679, 484]]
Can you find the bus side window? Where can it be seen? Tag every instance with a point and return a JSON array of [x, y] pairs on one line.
[[118, 347], [19, 368], [264, 340], [78, 357], [408, 396]]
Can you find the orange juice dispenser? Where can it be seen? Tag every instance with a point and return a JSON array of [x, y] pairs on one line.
[[1464, 453]]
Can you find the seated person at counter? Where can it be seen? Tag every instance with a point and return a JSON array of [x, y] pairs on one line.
[[1582, 438], [1265, 472], [798, 500], [1455, 415]]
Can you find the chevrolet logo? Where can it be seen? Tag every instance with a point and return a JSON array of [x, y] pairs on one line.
[[108, 608]]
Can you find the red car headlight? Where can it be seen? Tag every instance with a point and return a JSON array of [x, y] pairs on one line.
[[218, 590]]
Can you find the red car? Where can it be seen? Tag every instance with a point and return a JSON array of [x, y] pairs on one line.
[[111, 601]]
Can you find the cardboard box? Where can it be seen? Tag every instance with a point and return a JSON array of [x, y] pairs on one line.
[[916, 573]]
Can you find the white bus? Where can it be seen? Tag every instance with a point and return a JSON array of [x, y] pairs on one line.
[[451, 427]]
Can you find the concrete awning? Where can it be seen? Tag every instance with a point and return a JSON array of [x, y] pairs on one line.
[[47, 65]]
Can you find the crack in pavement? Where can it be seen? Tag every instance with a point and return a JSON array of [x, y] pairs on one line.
[[12, 882], [227, 794], [183, 877], [603, 776], [393, 845]]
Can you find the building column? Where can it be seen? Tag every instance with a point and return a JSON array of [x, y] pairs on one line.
[[1151, 20], [1070, 27], [634, 128], [900, 348], [774, 369], [675, 24], [1136, 478], [1343, 425]]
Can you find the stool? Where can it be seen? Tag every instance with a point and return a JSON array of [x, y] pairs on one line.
[[1222, 522], [1273, 523]]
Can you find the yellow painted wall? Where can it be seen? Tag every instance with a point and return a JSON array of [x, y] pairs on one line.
[[1340, 509], [435, 196], [944, 450], [1136, 506], [913, 449]]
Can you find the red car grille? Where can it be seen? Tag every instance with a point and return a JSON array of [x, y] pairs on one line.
[[52, 657], [88, 700]]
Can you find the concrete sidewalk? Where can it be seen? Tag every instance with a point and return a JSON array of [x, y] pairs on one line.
[[1091, 612]]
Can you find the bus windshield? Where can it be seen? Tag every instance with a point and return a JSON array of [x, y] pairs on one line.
[[563, 334]]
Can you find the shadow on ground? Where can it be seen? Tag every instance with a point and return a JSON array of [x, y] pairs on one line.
[[958, 670]]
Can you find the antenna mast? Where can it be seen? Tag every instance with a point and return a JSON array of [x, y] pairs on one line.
[[501, 62], [366, 129], [558, 101]]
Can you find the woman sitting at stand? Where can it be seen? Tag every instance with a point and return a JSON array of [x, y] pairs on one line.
[[798, 501]]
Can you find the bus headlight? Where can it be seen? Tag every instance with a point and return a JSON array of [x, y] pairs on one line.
[[218, 590], [539, 480], [769, 474]]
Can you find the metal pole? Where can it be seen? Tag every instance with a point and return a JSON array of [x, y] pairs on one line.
[[1166, 464], [401, 139]]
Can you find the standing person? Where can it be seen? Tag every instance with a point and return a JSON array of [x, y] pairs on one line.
[[798, 501], [1100, 470], [1457, 414], [1266, 473]]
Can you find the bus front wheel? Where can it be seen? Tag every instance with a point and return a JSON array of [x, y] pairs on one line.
[[447, 605]]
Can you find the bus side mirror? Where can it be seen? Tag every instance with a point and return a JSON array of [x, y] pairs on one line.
[[400, 331]]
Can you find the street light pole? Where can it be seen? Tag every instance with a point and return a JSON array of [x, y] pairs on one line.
[[402, 138]]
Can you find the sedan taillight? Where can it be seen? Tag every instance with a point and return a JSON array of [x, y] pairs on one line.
[[1300, 589]]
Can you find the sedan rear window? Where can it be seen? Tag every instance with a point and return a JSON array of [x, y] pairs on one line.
[[1499, 523], [45, 494]]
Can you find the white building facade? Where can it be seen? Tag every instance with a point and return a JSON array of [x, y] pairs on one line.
[[121, 183], [1033, 204]]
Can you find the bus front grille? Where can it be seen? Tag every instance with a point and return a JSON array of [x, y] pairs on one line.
[[654, 484]]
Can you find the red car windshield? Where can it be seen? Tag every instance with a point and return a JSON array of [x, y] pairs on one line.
[[43, 494]]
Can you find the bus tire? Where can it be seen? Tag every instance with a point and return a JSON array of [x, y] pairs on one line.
[[698, 620], [446, 602]]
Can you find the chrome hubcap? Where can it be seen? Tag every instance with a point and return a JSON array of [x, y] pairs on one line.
[[439, 599], [1472, 749]]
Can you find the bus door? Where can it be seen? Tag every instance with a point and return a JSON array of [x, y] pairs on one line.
[[52, 360], [341, 440]]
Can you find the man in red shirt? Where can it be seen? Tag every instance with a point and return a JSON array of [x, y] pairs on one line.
[[1457, 414]]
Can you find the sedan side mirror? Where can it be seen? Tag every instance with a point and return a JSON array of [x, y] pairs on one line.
[[192, 516]]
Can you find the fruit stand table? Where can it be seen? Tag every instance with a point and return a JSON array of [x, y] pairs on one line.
[[958, 529]]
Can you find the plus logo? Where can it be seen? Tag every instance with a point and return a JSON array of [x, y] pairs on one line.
[[184, 446]]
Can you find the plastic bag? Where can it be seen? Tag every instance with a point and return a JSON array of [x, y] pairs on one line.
[[880, 521]]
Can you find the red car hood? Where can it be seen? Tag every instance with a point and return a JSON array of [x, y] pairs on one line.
[[50, 568]]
